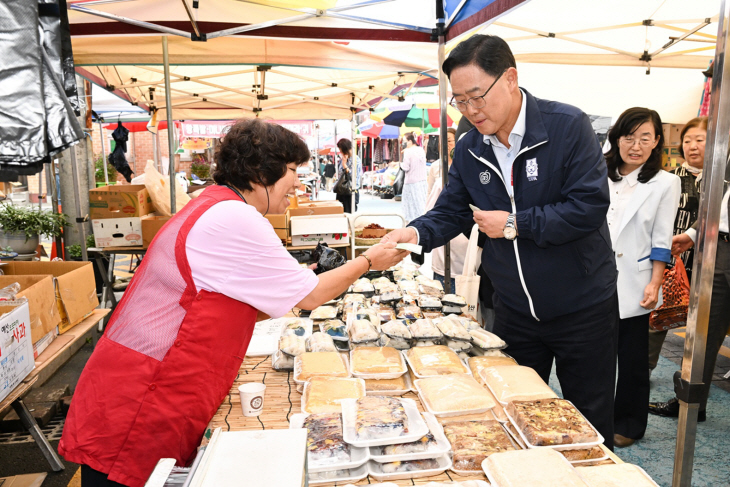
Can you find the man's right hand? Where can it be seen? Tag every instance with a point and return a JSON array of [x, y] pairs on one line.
[[401, 235], [681, 243]]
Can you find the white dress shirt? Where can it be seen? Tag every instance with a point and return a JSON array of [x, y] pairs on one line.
[[621, 192], [724, 224], [506, 157]]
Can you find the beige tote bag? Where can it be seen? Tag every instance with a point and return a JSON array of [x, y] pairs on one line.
[[467, 284]]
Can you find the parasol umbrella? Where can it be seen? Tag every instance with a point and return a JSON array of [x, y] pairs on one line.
[[415, 114], [372, 128]]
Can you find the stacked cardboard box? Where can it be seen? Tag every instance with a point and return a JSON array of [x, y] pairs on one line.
[[116, 214], [282, 222]]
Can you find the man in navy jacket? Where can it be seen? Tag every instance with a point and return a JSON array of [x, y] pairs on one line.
[[535, 171]]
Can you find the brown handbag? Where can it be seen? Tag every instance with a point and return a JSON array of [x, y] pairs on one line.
[[675, 293]]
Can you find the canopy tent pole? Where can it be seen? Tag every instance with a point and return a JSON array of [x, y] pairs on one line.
[[443, 140], [170, 127], [53, 193], [103, 153], [688, 383], [77, 203], [353, 156]]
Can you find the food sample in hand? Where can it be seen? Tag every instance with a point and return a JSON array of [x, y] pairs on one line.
[[380, 417]]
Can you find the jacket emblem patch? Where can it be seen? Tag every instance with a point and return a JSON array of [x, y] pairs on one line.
[[531, 169], [485, 177]]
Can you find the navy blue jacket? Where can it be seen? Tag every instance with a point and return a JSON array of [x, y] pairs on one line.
[[563, 250]]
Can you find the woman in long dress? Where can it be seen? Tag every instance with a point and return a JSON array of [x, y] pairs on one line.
[[414, 186]]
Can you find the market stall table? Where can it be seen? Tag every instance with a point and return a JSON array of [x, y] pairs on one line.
[[281, 401], [107, 275]]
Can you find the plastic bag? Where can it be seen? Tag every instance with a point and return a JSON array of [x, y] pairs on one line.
[[675, 300], [157, 187], [8, 293], [327, 258]]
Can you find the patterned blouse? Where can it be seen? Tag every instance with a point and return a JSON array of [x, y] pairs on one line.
[[689, 204]]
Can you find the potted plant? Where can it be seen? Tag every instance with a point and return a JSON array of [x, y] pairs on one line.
[[200, 166], [22, 227], [99, 172], [7, 253]]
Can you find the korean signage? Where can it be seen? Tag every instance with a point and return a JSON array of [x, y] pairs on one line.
[[301, 127], [204, 129]]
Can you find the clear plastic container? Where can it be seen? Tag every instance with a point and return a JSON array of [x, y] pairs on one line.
[[358, 456], [636, 472], [454, 387], [417, 427], [466, 472], [324, 365], [375, 470], [386, 357], [392, 392], [571, 446], [332, 390], [441, 447], [347, 475], [515, 383], [554, 470], [438, 357]]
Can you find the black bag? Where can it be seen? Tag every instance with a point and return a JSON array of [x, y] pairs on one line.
[[343, 186], [327, 258], [400, 179]]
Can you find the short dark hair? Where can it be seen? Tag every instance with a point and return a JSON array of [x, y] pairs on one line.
[[700, 122], [256, 152], [627, 123], [345, 146], [490, 53], [411, 137]]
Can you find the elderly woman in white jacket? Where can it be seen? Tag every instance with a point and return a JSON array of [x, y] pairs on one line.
[[644, 201]]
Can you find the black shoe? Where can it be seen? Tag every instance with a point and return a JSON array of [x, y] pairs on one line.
[[670, 409]]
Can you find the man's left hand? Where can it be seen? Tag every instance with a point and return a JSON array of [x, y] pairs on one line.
[[491, 222]]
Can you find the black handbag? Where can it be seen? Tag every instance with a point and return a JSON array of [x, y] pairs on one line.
[[343, 186], [400, 179]]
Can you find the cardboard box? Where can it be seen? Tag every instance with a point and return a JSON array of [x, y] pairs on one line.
[[74, 284], [310, 230], [38, 290], [317, 208], [40, 346], [122, 201], [672, 132], [671, 158], [27, 480], [118, 232], [280, 223], [16, 348], [151, 224]]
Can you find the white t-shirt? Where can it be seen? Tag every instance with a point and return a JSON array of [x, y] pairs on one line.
[[233, 250]]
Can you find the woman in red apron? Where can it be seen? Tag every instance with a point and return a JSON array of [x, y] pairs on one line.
[[176, 341]]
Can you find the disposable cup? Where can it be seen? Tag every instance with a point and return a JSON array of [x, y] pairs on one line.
[[252, 398]]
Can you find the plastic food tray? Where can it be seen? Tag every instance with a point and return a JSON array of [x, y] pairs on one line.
[[388, 375], [467, 473], [333, 312], [409, 388], [490, 477], [445, 414], [297, 371], [356, 474], [417, 427], [504, 404], [588, 462], [467, 370], [375, 470], [305, 392], [441, 448], [571, 446], [358, 456]]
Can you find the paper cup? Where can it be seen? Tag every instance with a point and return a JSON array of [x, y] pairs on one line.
[[252, 398]]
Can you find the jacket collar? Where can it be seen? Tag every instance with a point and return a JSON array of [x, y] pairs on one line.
[[535, 131]]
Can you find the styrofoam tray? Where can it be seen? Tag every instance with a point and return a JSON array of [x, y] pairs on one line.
[[375, 470], [389, 375], [358, 456], [570, 446], [467, 370], [445, 414], [586, 463], [266, 334], [467, 473], [305, 391], [442, 446], [297, 372], [504, 404], [355, 474], [490, 477], [409, 388], [416, 425]]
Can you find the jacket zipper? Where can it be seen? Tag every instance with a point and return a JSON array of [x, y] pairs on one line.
[[514, 242]]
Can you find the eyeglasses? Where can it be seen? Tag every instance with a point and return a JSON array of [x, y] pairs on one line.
[[476, 101], [629, 141]]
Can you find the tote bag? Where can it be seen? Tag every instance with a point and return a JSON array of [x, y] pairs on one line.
[[675, 296], [467, 284]]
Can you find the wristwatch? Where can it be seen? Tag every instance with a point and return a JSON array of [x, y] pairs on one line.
[[510, 230]]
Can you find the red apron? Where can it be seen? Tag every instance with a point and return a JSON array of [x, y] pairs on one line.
[[164, 365]]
